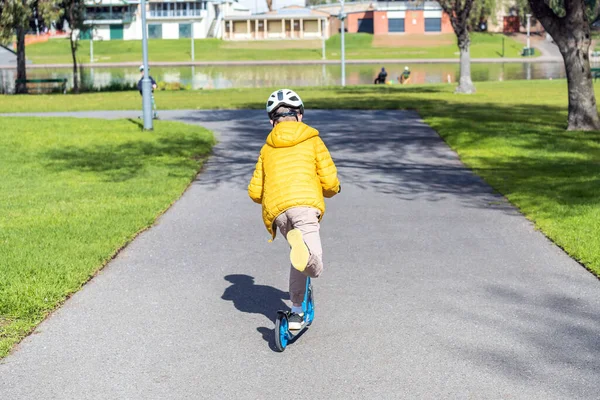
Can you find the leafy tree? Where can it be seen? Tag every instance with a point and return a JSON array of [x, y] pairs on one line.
[[15, 19], [73, 12], [568, 22], [15, 16], [482, 11], [459, 12]]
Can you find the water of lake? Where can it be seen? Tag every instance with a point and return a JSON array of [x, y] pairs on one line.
[[221, 77]]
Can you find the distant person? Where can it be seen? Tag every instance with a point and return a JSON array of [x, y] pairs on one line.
[[405, 77], [154, 86], [381, 77]]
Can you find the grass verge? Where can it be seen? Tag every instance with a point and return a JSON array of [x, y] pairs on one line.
[[358, 46], [74, 192]]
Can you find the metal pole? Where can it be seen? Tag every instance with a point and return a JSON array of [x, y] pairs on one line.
[[37, 27], [91, 45], [323, 37], [528, 30], [193, 53], [146, 84], [343, 17]]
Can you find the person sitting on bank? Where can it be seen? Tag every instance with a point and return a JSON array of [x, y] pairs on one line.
[[405, 77], [381, 77]]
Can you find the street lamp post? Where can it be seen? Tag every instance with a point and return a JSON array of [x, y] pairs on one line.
[[342, 18], [193, 50], [146, 84], [323, 34], [528, 30]]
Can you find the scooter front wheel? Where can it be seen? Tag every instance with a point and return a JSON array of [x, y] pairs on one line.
[[281, 332]]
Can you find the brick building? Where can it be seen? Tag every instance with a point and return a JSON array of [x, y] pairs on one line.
[[393, 17]]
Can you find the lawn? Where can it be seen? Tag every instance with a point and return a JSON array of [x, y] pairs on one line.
[[358, 46], [74, 192]]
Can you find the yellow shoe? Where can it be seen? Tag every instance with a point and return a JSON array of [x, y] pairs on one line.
[[299, 253]]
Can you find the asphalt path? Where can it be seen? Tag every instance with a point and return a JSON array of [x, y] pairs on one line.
[[434, 288]]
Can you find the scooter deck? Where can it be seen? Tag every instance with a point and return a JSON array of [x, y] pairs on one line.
[[295, 333]]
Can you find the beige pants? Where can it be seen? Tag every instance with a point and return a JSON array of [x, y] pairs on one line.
[[306, 220]]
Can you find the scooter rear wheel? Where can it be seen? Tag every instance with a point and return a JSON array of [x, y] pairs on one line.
[[281, 332], [310, 306]]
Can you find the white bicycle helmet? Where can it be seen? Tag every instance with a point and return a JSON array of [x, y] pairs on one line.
[[284, 97]]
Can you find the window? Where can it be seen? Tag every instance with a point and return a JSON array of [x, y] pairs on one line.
[[433, 24], [177, 9], [155, 31], [85, 34], [185, 31], [396, 25], [181, 10], [365, 25]]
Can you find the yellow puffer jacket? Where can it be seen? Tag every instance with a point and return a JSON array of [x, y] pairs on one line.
[[294, 169]]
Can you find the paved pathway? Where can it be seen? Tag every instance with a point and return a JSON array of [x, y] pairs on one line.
[[547, 48], [434, 288]]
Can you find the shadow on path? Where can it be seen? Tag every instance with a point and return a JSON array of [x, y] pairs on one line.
[[390, 152], [250, 298], [536, 332]]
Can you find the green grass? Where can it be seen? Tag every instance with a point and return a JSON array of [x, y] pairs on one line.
[[358, 46], [74, 191]]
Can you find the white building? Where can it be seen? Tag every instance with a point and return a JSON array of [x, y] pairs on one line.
[[7, 56], [293, 22], [166, 19]]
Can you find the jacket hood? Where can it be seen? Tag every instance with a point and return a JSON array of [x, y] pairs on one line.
[[290, 133]]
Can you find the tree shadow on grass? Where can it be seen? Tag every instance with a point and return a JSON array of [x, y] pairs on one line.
[[124, 161], [139, 123]]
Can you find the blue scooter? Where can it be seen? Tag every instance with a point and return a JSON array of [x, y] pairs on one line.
[[283, 335]]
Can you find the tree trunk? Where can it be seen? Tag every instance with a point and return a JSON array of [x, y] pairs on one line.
[[572, 36], [583, 113], [270, 5], [74, 54], [465, 84], [21, 87]]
